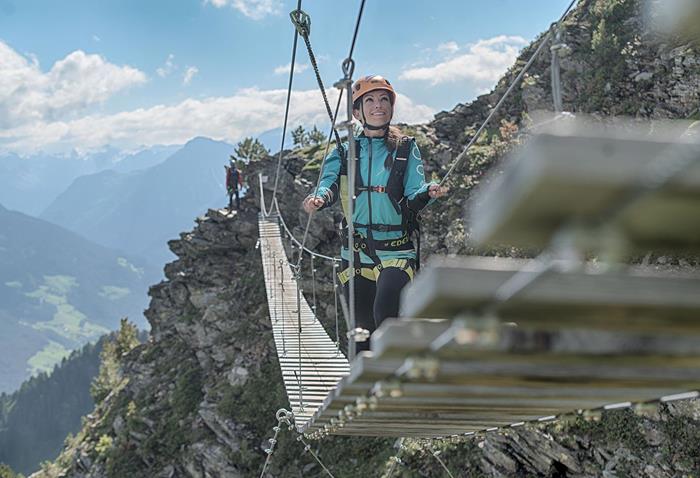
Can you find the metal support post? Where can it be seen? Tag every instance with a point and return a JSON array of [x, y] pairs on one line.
[[313, 285], [284, 318], [299, 330], [346, 83]]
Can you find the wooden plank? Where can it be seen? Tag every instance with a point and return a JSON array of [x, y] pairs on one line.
[[576, 173], [514, 387], [471, 338], [557, 300]]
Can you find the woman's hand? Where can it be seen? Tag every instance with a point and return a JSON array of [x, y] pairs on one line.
[[313, 203], [436, 191]]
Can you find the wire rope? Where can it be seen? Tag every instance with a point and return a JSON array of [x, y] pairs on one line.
[[333, 118], [513, 84], [286, 110]]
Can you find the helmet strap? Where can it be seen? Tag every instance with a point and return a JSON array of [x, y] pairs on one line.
[[368, 126]]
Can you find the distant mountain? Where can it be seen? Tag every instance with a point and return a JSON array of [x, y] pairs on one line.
[[58, 291], [271, 139], [140, 211], [30, 184], [145, 159]]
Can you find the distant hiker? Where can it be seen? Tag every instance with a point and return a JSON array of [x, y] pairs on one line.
[[390, 191], [234, 180]]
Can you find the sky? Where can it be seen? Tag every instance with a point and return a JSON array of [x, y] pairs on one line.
[[78, 75]]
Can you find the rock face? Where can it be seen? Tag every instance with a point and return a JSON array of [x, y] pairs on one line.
[[198, 400], [164, 420]]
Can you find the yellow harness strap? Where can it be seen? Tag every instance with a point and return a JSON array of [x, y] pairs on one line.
[[372, 273]]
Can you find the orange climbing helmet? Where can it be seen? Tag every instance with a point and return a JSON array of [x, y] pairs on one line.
[[372, 83]]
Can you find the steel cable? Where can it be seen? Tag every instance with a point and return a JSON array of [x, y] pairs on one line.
[[495, 109], [333, 117], [286, 111]]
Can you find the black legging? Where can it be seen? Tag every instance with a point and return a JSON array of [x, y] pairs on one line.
[[375, 301]]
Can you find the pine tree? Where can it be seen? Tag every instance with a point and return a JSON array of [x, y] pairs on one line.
[[300, 137], [127, 337], [251, 150], [316, 136], [109, 377]]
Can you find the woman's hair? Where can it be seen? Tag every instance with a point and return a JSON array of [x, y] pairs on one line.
[[392, 136]]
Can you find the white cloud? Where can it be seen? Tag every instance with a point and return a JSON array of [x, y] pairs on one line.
[[28, 95], [298, 68], [189, 74], [96, 38], [406, 111], [248, 112], [448, 47], [482, 63], [255, 9], [168, 67]]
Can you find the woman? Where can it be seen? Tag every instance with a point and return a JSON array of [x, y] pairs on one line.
[[390, 190]]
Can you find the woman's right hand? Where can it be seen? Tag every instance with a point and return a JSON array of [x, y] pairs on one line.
[[313, 203]]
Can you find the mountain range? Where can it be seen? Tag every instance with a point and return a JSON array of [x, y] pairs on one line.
[[29, 184], [138, 211], [58, 291]]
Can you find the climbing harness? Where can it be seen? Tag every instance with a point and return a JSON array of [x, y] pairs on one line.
[[372, 273], [410, 224]]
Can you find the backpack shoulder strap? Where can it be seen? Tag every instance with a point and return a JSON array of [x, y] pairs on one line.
[[344, 157], [403, 149], [394, 184]]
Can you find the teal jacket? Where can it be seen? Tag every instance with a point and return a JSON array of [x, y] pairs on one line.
[[415, 190]]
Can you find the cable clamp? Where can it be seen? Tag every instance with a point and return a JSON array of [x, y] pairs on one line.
[[359, 334], [415, 368], [301, 21], [342, 84]]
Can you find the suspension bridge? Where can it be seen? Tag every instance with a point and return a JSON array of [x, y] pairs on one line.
[[476, 349]]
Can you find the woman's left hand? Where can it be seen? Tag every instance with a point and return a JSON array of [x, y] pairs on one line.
[[436, 191]]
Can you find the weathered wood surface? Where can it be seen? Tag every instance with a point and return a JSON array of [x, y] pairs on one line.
[[482, 383], [309, 359], [578, 174], [629, 301]]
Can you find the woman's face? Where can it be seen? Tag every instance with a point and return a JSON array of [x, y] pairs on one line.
[[377, 108]]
